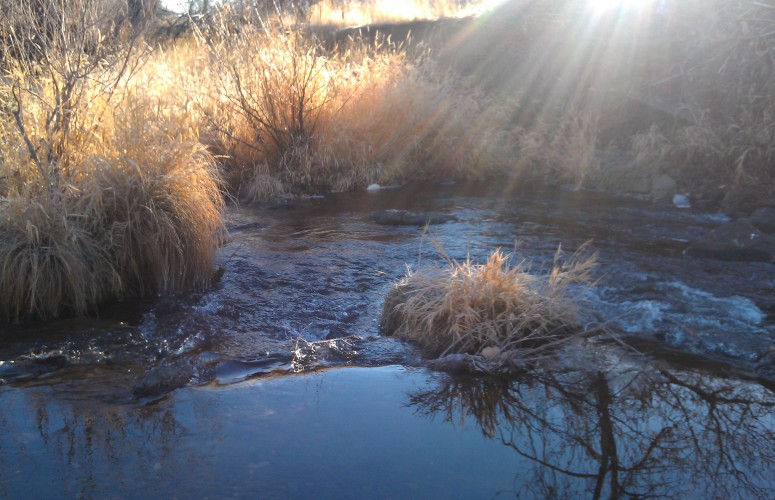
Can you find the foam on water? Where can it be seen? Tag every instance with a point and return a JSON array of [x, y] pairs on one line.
[[733, 308]]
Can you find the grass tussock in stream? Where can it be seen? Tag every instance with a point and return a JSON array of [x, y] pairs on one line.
[[496, 310]]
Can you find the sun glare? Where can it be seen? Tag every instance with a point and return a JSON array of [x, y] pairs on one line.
[[601, 6]]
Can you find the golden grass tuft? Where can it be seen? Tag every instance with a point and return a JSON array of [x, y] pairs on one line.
[[159, 214], [126, 202], [49, 262], [496, 310]]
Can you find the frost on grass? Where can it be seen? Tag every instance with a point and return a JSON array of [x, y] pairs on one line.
[[494, 316]]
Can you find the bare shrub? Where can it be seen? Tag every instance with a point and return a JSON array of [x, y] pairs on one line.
[[63, 67], [496, 310], [281, 109]]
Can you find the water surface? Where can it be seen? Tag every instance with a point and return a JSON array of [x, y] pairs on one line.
[[198, 394]]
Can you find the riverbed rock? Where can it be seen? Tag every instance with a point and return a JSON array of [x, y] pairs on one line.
[[620, 174], [407, 218], [681, 201], [165, 377], [735, 241], [763, 219], [663, 188]]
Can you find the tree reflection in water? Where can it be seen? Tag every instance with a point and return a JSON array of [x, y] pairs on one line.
[[75, 445], [643, 432]]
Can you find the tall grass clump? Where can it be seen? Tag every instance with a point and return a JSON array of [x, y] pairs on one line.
[[562, 146], [49, 262], [157, 204], [105, 190], [136, 213], [496, 310]]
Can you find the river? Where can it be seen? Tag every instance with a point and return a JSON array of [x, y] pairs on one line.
[[276, 382]]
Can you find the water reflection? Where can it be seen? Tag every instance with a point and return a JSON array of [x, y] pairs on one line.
[[643, 432], [626, 431], [75, 445]]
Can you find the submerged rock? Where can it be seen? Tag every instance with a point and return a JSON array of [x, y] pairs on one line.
[[456, 363], [165, 377], [663, 188], [172, 374], [407, 218], [763, 219], [736, 241]]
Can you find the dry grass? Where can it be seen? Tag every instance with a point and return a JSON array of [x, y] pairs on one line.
[[139, 216], [496, 310], [722, 78], [157, 206], [562, 148], [697, 74], [275, 93], [50, 263], [293, 118], [120, 199]]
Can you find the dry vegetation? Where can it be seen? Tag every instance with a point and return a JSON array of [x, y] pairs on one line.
[[683, 88], [104, 194], [496, 310], [292, 117], [360, 13]]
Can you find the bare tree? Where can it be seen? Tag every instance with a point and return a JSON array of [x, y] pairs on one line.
[[55, 54]]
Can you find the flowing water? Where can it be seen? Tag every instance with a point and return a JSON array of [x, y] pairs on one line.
[[276, 382]]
